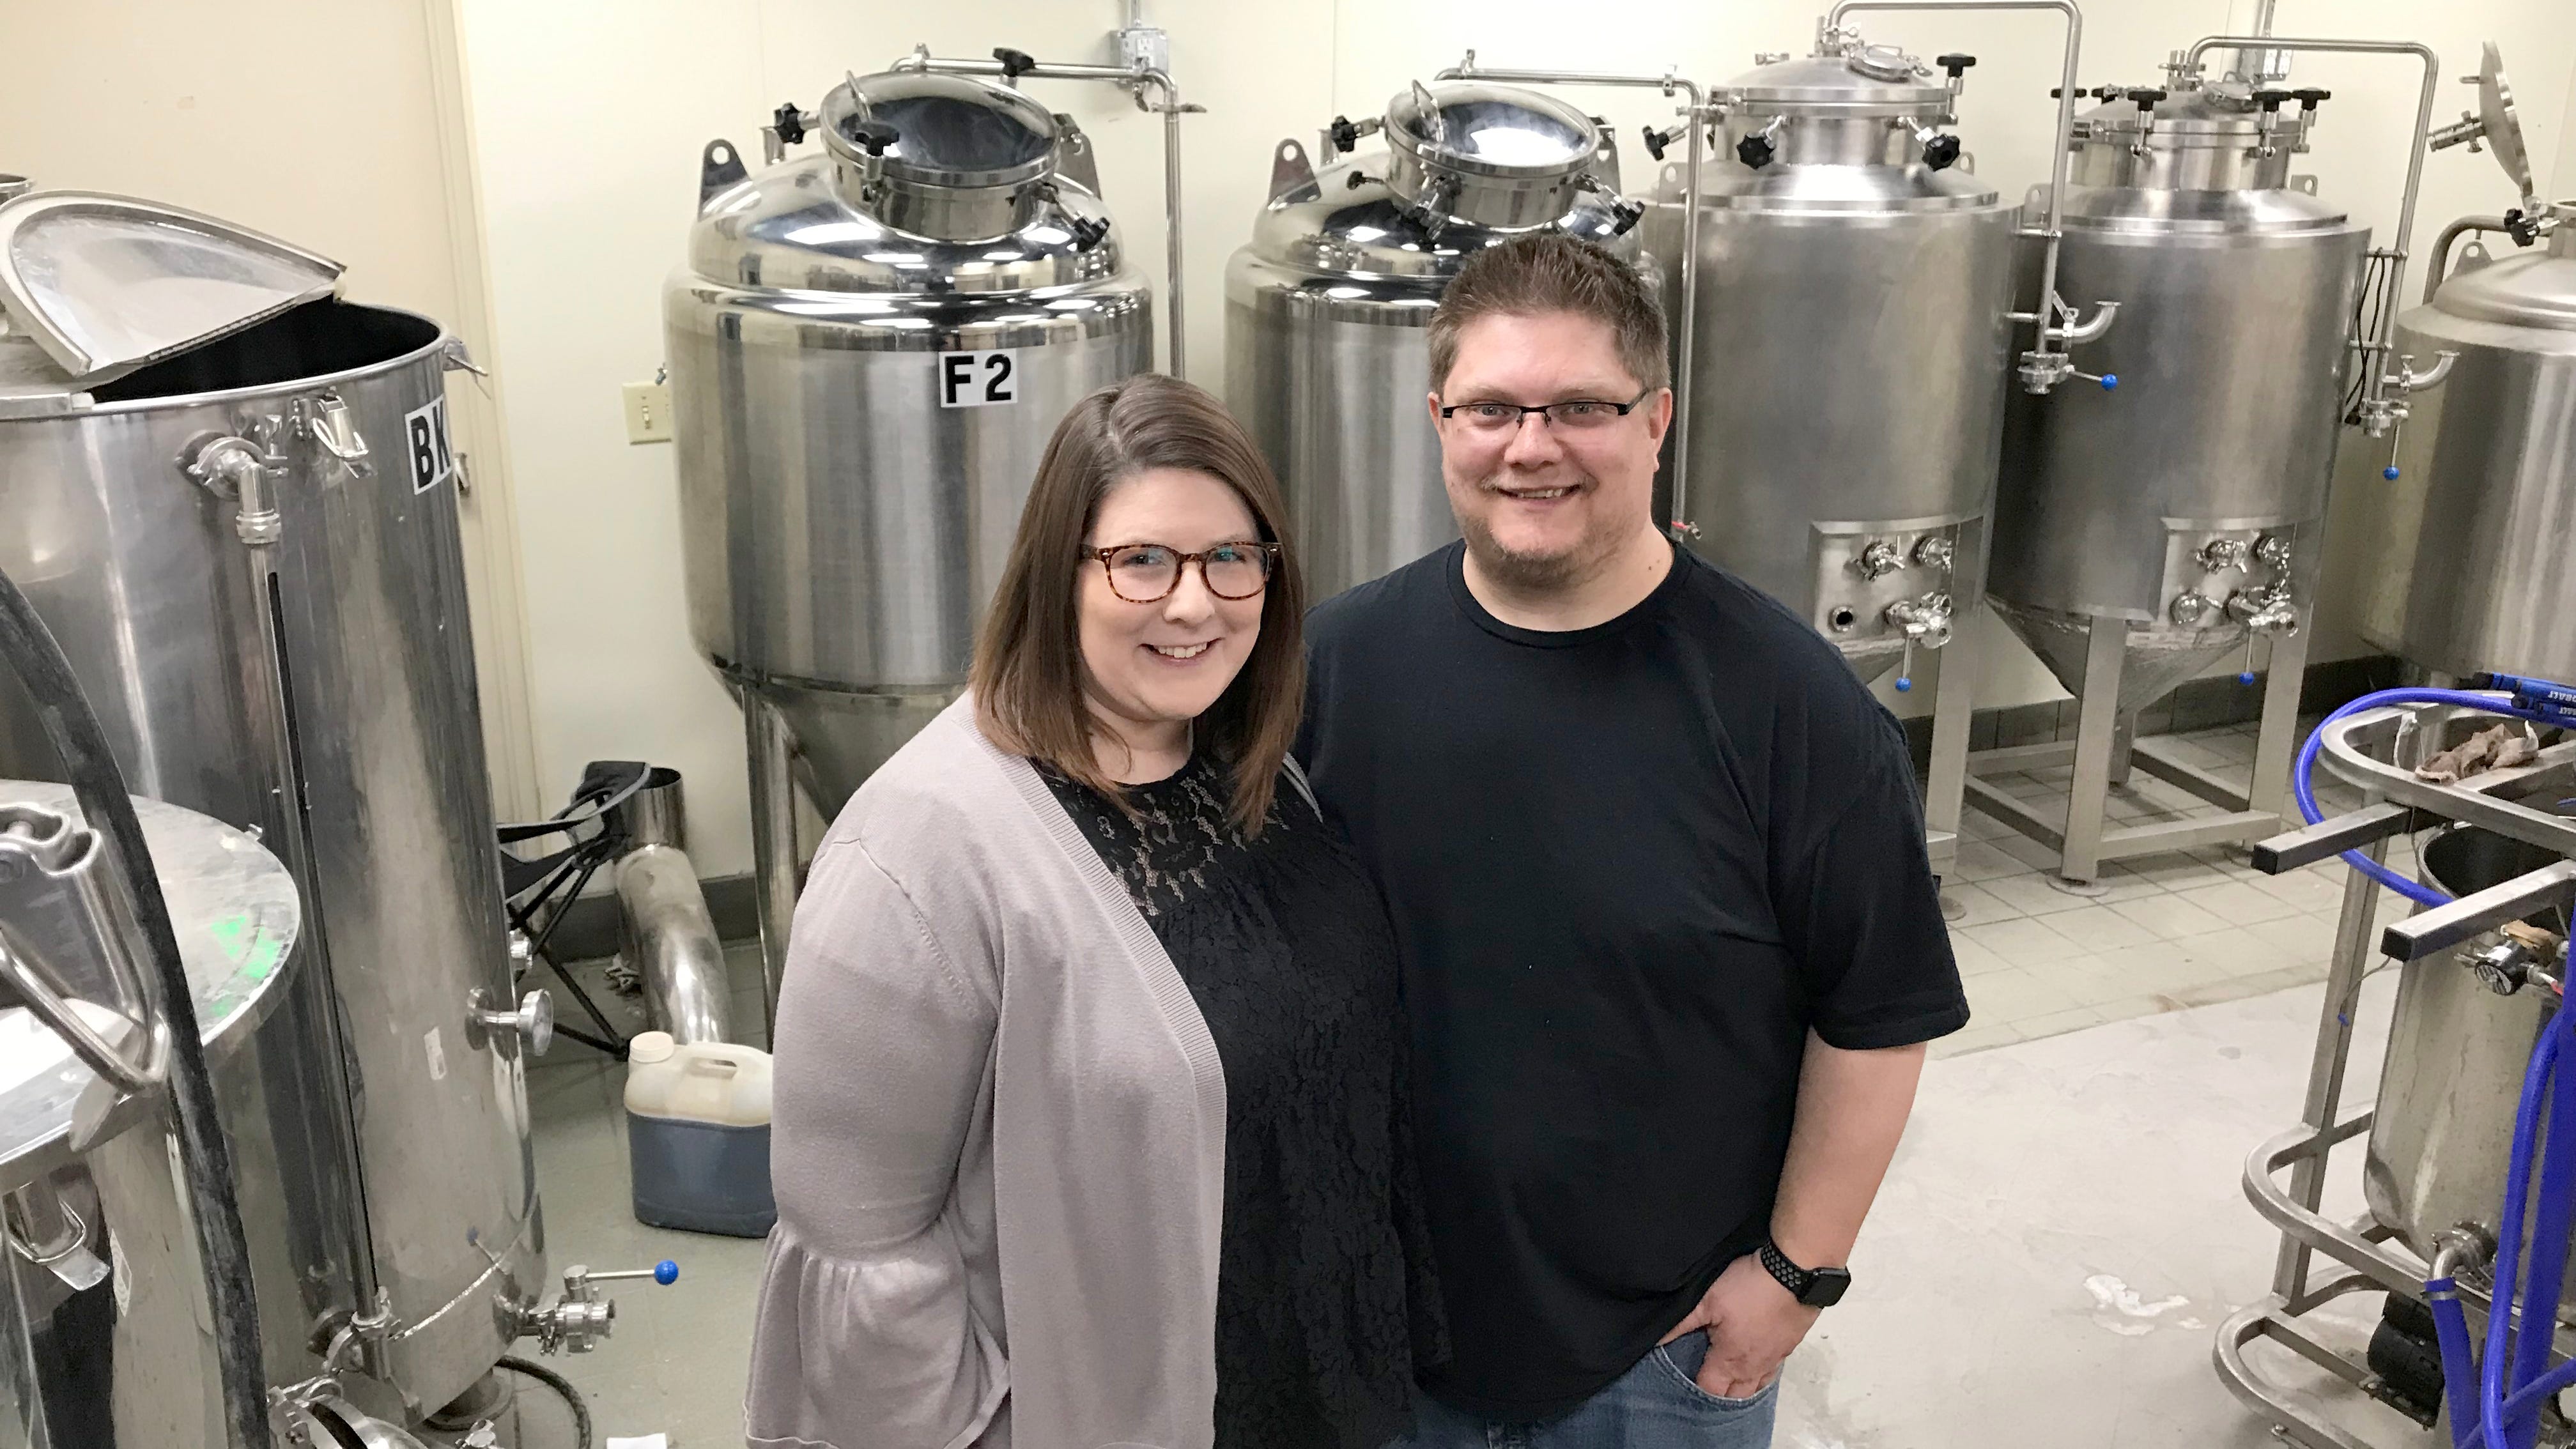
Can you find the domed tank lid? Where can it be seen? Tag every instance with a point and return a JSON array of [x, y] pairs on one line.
[[105, 284], [1868, 79], [1479, 129], [2535, 289], [940, 130]]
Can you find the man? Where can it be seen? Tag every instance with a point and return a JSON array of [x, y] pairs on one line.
[[1671, 944]]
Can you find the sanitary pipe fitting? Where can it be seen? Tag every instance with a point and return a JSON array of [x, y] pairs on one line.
[[2221, 554], [1877, 560], [241, 470], [2265, 611]]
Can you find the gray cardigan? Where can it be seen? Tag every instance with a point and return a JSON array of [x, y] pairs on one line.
[[998, 1141]]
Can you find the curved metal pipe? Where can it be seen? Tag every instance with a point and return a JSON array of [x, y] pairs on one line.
[[2046, 311], [2438, 268], [2414, 158], [1172, 108], [671, 942], [1699, 115]]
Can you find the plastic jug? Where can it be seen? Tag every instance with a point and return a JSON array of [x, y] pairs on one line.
[[697, 1135]]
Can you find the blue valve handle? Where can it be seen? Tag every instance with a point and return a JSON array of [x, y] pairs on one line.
[[2245, 676], [666, 1272], [2389, 472], [2110, 381], [1904, 684]]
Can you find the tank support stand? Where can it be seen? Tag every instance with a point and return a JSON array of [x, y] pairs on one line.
[[774, 864], [2106, 750], [2365, 1254]]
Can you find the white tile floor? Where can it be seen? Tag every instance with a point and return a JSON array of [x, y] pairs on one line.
[[2116, 1082], [2167, 931]]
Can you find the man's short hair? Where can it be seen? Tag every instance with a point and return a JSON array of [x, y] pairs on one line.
[[1551, 272]]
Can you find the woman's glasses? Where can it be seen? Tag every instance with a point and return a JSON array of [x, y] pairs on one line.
[[1146, 573]]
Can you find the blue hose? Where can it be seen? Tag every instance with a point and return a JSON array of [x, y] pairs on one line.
[[2305, 792]]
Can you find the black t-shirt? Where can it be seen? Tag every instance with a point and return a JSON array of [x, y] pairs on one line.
[[1630, 866]]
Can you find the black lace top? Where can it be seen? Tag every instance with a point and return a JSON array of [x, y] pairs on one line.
[[1325, 1300]]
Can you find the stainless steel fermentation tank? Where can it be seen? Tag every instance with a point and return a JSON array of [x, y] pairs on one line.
[[248, 547], [1852, 347], [2470, 544], [869, 348], [2143, 533], [1327, 362]]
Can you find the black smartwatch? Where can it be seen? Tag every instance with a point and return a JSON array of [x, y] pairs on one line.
[[1815, 1287]]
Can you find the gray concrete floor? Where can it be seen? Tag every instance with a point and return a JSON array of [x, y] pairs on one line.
[[2061, 1235]]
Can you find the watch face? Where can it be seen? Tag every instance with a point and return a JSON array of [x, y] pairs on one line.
[[1826, 1287]]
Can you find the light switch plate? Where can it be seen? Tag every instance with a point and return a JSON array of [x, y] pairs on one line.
[[648, 412]]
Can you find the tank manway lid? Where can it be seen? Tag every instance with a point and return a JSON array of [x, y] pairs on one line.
[[1865, 80], [940, 130], [105, 284], [1489, 130]]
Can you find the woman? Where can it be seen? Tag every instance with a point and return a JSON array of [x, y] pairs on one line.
[[1090, 1119]]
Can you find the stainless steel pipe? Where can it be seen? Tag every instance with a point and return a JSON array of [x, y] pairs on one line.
[[1696, 117], [2374, 350], [671, 942], [664, 930], [2045, 314]]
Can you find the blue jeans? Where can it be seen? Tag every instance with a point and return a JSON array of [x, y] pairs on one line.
[[1656, 1405]]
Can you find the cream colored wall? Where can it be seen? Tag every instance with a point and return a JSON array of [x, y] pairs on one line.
[[590, 116], [330, 124]]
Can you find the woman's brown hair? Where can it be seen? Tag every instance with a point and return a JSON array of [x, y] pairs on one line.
[[1028, 662]]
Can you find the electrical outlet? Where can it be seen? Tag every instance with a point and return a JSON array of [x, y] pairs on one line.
[[648, 412]]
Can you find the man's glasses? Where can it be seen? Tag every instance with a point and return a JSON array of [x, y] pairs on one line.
[[1574, 415], [1146, 573]]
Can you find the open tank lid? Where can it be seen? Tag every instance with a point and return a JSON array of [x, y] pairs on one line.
[[941, 130], [1478, 129], [106, 284], [2501, 124]]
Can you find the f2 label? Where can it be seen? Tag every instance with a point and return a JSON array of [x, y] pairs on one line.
[[425, 444], [978, 379]]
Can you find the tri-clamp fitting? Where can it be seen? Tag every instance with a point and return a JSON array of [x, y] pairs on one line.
[[2267, 610], [581, 1317], [2221, 554], [1925, 621], [1877, 560]]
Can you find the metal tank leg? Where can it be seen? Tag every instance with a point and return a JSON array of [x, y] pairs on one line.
[[1945, 781], [2354, 929], [2124, 747], [773, 841], [2277, 738], [2096, 733]]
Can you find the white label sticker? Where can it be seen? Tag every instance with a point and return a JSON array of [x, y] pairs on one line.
[[425, 443], [978, 379], [437, 1056]]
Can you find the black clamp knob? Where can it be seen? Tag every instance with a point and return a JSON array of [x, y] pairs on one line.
[[788, 122], [2523, 228], [1941, 152], [2271, 101], [1625, 214], [2145, 98], [2309, 96], [873, 137], [1087, 231], [1755, 151], [2106, 93], [1015, 63], [1656, 140], [1346, 137], [1955, 63]]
